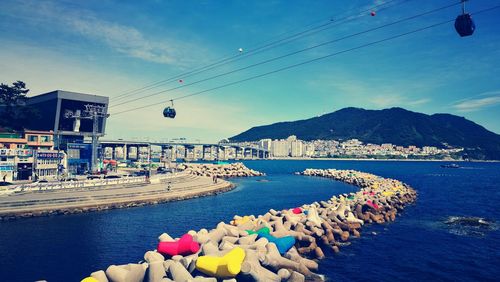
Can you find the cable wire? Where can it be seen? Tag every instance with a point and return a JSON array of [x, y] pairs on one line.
[[309, 61], [257, 50], [287, 55]]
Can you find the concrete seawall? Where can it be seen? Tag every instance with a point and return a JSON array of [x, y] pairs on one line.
[[197, 180], [68, 201]]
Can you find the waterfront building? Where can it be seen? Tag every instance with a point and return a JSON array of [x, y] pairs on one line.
[[265, 144], [74, 118], [27, 139], [387, 146], [430, 150], [296, 148], [12, 140], [29, 154], [309, 149], [28, 164], [79, 158], [280, 148], [39, 140], [49, 164], [7, 164]]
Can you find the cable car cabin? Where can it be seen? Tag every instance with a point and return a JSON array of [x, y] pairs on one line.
[[169, 112], [465, 25]]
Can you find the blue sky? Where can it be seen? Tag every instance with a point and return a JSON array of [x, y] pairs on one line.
[[108, 47]]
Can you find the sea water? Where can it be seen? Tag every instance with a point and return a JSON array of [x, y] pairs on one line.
[[420, 245]]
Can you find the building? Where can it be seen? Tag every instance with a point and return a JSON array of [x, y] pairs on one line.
[[265, 144], [29, 139], [21, 158], [7, 164], [74, 119], [297, 148], [280, 148], [48, 164], [12, 140], [39, 140], [79, 158], [309, 149]]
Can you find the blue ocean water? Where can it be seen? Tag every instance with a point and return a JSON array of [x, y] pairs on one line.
[[418, 246]]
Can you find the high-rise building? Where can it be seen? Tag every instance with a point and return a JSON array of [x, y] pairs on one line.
[[265, 144], [280, 148], [309, 150], [296, 148]]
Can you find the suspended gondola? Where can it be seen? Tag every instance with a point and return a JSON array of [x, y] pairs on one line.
[[464, 25], [169, 112]]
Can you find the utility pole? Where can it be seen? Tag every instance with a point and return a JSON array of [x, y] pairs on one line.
[[93, 112], [149, 160]]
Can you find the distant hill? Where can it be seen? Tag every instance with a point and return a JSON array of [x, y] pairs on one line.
[[395, 125]]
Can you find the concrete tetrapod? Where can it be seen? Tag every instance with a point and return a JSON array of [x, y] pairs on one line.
[[251, 267], [131, 272], [99, 276], [226, 266], [156, 270], [184, 246], [283, 244], [177, 271]]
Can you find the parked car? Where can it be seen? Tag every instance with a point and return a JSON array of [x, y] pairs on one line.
[[70, 179], [112, 176], [140, 173], [162, 170], [92, 177]]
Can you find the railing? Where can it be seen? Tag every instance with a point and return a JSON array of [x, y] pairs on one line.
[[78, 184], [163, 178]]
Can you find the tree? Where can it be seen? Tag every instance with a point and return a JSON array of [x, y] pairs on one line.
[[14, 113]]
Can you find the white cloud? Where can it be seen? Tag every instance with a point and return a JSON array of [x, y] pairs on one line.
[[124, 39], [395, 100], [479, 102], [372, 93]]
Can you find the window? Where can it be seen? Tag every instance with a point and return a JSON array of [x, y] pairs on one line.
[[45, 138], [73, 153], [3, 159], [32, 138]]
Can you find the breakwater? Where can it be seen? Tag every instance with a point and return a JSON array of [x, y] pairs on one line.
[[299, 235], [219, 170]]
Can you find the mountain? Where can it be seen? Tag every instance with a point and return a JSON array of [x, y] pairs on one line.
[[395, 125]]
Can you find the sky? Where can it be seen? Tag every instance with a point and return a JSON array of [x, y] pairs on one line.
[[111, 47]]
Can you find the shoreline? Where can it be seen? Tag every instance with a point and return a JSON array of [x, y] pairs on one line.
[[383, 160]]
